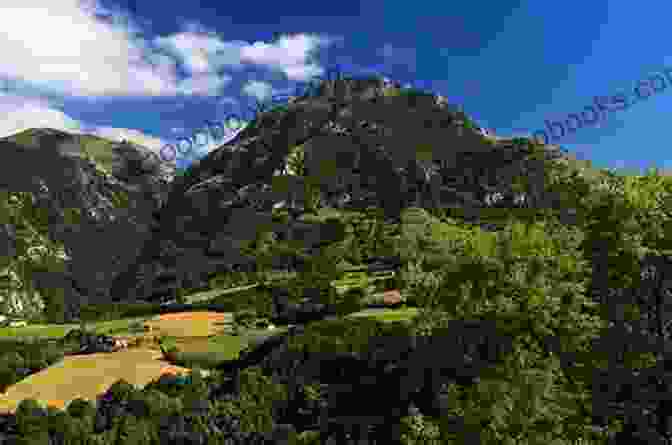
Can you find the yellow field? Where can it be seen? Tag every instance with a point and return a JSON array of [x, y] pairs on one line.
[[189, 324], [87, 376]]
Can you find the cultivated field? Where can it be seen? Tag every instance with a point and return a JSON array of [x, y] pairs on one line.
[[86, 376]]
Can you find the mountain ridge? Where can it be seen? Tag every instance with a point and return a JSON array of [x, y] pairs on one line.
[[362, 141]]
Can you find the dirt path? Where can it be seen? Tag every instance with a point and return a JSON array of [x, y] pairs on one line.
[[87, 376]]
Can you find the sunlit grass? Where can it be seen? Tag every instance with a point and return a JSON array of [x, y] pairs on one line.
[[59, 330], [404, 314]]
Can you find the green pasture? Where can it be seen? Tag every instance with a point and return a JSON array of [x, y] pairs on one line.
[[389, 315], [59, 330], [207, 352]]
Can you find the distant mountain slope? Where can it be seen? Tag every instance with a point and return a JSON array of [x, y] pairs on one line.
[[103, 152], [114, 187]]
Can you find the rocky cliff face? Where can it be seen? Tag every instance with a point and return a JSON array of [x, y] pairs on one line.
[[365, 142], [106, 183]]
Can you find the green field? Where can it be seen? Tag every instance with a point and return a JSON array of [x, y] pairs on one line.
[[59, 330], [390, 315], [208, 352]]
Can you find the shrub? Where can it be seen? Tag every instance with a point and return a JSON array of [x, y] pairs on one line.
[[30, 417], [351, 301], [206, 359], [170, 353], [136, 326], [417, 430], [136, 431], [7, 378], [56, 421], [81, 408], [256, 402], [338, 335], [120, 390], [40, 355], [12, 360], [137, 404], [37, 364], [160, 404], [168, 384], [308, 437], [245, 318]]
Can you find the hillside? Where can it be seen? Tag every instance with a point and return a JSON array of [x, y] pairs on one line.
[[362, 143], [532, 286], [358, 142], [57, 174]]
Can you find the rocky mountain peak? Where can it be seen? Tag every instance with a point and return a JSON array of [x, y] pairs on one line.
[[364, 142]]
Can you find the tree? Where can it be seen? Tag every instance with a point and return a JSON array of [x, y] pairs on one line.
[[34, 248]]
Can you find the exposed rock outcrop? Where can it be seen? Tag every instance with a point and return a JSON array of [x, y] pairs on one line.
[[116, 200]]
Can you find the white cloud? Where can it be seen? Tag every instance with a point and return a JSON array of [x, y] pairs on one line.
[[79, 53], [288, 54], [21, 113], [260, 90], [202, 51], [88, 50], [205, 84], [228, 100], [135, 136]]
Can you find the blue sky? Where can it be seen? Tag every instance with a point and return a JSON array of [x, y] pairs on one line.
[[152, 71]]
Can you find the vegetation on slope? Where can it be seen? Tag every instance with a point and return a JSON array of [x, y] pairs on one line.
[[518, 331], [33, 250]]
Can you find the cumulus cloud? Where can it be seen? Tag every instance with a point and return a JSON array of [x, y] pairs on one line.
[[94, 51], [88, 51], [289, 54], [228, 100], [129, 134], [80, 53], [21, 113], [259, 90], [205, 84]]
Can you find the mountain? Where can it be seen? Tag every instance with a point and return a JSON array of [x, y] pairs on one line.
[[364, 142], [144, 232], [113, 187]]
